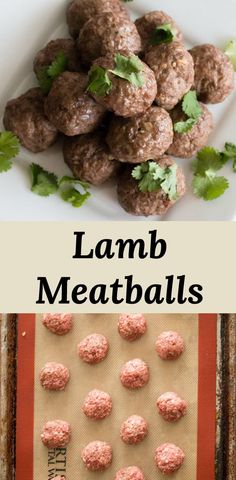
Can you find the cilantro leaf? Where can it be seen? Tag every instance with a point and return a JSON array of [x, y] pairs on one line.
[[165, 33], [9, 148], [184, 126], [47, 75], [129, 68], [71, 180], [152, 177], [209, 187], [74, 197], [190, 105], [229, 153], [98, 81], [230, 51], [208, 160], [169, 185], [43, 183]]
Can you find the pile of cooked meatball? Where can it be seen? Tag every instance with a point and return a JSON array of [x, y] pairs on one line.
[[105, 136]]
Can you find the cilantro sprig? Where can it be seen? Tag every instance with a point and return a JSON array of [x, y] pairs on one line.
[[230, 51], [192, 110], [99, 81], [151, 178], [47, 75], [164, 33], [9, 149], [44, 183], [75, 197]]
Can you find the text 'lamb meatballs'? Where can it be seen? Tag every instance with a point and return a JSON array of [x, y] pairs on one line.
[[106, 35], [25, 117], [124, 98], [94, 348], [56, 434], [171, 407], [214, 73], [141, 138], [134, 374], [169, 458], [174, 72], [129, 473], [97, 405], [132, 326], [134, 430], [136, 202], [89, 158], [54, 376], [169, 345], [48, 54], [58, 323], [80, 11], [70, 108], [147, 23], [187, 144], [97, 456]]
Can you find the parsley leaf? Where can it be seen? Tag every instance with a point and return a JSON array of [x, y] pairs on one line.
[[230, 51], [9, 148], [74, 197], [184, 126], [152, 177], [98, 81], [209, 187], [46, 75], [165, 33], [129, 68], [229, 153], [192, 109], [43, 183]]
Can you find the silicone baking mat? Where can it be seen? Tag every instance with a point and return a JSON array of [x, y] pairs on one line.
[[193, 376]]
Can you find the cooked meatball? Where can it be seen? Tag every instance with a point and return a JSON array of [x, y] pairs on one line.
[[169, 345], [124, 98], [187, 144], [129, 473], [56, 434], [97, 405], [134, 374], [141, 138], [97, 456], [58, 323], [171, 407], [107, 34], [89, 158], [147, 23], [47, 55], [80, 11], [132, 326], [54, 376], [93, 349], [134, 430], [174, 72], [147, 203], [214, 73], [169, 458], [25, 117], [70, 108]]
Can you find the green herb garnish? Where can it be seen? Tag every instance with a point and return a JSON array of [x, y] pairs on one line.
[[44, 183], [192, 109], [47, 75], [129, 68], [99, 81], [165, 33], [9, 148], [151, 178], [230, 51]]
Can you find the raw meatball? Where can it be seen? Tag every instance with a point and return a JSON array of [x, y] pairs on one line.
[[80, 11], [56, 434], [134, 430], [129, 473], [147, 203], [171, 407], [187, 144], [147, 24], [97, 405], [59, 477], [142, 137], [70, 108], [169, 458], [174, 72], [47, 55], [134, 374], [107, 34], [93, 349], [89, 158], [126, 99], [132, 326], [54, 376], [59, 323], [214, 73], [97, 456], [25, 117], [170, 345]]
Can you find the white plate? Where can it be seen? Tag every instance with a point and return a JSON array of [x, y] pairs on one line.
[[26, 26]]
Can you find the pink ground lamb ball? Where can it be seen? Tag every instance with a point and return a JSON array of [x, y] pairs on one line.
[[58, 323]]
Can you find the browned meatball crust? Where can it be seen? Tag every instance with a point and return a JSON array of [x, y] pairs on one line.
[[25, 117], [144, 203], [70, 108], [214, 73], [174, 72], [47, 55], [107, 34], [141, 138], [80, 11], [147, 23], [187, 144], [126, 99], [89, 158]]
